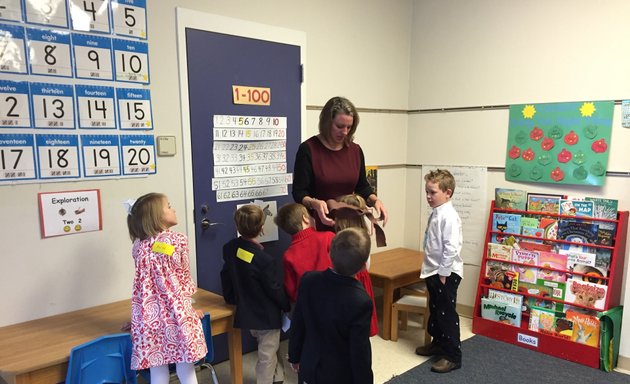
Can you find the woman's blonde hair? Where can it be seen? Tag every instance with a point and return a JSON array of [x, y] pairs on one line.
[[335, 106], [145, 218], [357, 221]]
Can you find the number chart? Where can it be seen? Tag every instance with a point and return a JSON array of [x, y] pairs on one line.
[[75, 102]]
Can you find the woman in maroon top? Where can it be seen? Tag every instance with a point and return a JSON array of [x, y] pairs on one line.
[[330, 164]]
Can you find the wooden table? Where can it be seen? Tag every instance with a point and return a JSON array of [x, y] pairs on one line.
[[37, 351], [391, 270]]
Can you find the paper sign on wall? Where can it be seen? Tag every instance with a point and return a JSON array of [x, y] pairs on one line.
[[70, 212]]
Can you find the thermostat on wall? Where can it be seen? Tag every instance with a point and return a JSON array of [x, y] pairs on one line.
[[166, 146]]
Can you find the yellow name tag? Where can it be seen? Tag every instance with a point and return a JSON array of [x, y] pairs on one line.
[[166, 249], [244, 255]]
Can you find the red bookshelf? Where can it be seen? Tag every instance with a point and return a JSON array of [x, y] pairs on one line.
[[541, 342]]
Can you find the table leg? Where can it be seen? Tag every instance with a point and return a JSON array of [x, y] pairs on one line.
[[235, 350], [388, 298]]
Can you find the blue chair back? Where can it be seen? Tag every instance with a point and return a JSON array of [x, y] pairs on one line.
[[206, 325], [103, 360]]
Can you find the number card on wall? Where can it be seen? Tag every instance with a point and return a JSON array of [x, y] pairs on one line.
[[11, 10], [138, 154], [131, 61], [134, 108], [17, 157], [58, 156], [100, 155], [96, 107], [90, 15], [13, 58], [53, 105], [14, 105], [70, 212], [48, 12], [93, 57], [130, 18], [49, 52]]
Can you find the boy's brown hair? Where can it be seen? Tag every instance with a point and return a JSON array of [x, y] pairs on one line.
[[357, 221], [349, 251], [145, 218], [249, 220], [290, 217], [442, 178]]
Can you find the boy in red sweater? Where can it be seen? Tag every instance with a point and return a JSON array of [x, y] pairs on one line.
[[309, 249]]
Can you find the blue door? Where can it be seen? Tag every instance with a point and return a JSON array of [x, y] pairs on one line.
[[216, 62]]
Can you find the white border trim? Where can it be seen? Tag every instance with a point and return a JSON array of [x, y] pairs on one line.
[[186, 18]]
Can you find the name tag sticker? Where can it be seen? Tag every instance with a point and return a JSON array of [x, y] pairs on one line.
[[244, 255], [166, 249]]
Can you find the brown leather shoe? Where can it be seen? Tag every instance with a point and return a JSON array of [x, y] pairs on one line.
[[444, 366], [429, 350]]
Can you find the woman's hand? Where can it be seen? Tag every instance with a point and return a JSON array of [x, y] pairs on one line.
[[321, 208], [380, 208]]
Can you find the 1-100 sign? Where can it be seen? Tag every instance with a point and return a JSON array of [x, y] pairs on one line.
[[251, 95]]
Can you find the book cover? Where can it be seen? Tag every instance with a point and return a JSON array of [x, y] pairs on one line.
[[604, 208], [545, 291], [531, 246], [576, 208], [577, 231], [543, 203], [605, 235], [602, 259], [586, 294], [505, 198], [507, 223], [533, 232], [552, 323], [550, 227], [576, 257], [505, 297], [525, 274], [499, 252], [585, 328], [501, 312], [555, 261], [530, 222], [590, 273], [500, 275], [534, 319]]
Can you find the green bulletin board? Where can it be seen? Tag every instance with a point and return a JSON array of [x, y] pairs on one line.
[[560, 143]]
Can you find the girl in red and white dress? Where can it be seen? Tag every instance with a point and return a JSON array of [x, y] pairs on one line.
[[165, 328]]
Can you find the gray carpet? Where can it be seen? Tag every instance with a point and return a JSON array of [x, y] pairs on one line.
[[488, 361]]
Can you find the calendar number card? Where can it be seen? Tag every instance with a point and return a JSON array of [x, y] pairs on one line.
[[96, 107], [12, 49], [11, 10], [58, 156], [131, 61], [130, 18], [93, 57], [90, 15], [53, 105], [70, 212], [49, 52], [17, 157], [14, 105], [134, 108], [100, 155], [47, 12], [138, 154]]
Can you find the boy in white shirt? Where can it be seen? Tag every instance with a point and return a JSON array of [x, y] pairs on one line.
[[442, 271]]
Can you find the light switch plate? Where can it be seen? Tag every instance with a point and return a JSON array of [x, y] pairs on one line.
[[166, 146]]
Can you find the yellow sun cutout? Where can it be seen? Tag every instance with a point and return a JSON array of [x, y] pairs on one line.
[[529, 111], [587, 109]]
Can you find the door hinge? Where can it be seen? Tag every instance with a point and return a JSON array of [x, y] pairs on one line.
[[301, 73]]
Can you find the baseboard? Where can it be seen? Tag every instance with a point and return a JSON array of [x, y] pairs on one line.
[[465, 310], [623, 363]]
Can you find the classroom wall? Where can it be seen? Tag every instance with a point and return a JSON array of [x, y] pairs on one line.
[[488, 53], [347, 54]]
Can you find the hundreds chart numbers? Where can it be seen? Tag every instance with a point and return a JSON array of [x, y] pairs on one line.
[[90, 15], [17, 157], [14, 104], [58, 156], [96, 107], [47, 12], [229, 121], [100, 155], [131, 61], [93, 57], [49, 52], [11, 10], [138, 154], [134, 108], [130, 18], [12, 49], [53, 105]]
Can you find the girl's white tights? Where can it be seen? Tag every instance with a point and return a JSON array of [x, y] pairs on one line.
[[185, 374]]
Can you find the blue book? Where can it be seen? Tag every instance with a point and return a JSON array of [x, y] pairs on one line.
[[508, 223], [501, 312]]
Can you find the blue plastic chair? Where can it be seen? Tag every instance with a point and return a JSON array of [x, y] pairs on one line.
[[103, 360]]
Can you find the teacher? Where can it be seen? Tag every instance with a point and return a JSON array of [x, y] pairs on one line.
[[330, 164]]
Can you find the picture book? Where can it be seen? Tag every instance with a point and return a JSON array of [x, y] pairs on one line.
[[605, 235], [555, 261], [550, 227], [508, 223], [525, 274], [585, 328], [534, 319], [501, 312], [505, 297], [500, 275], [549, 322], [505, 198], [602, 259], [530, 222], [543, 203], [586, 294], [577, 231], [604, 208], [499, 252], [590, 274], [533, 232], [576, 257], [576, 208]]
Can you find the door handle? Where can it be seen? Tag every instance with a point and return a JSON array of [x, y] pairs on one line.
[[205, 223]]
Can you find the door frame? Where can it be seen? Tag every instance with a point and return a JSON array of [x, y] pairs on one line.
[[187, 18]]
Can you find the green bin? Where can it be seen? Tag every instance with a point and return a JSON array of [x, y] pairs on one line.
[[609, 335]]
